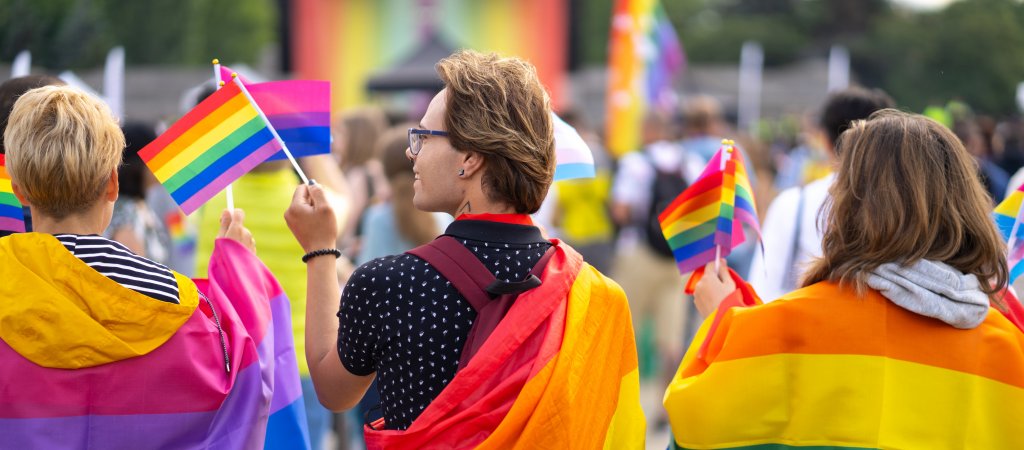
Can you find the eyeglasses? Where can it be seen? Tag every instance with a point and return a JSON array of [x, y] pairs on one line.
[[416, 137]]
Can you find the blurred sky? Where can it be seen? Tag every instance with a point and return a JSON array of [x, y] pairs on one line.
[[924, 4]]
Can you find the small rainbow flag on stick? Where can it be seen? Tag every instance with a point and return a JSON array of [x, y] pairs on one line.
[[12, 218], [1008, 218], [214, 144], [705, 222]]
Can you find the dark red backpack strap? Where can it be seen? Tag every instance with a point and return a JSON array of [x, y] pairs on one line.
[[459, 266], [491, 298]]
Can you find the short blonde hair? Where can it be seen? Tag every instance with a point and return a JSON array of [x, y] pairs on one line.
[[497, 107], [62, 146]]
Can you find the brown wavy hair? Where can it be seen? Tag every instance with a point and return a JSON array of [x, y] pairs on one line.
[[418, 227], [907, 190], [360, 128], [497, 107]]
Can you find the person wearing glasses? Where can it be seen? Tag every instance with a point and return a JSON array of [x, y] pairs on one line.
[[491, 334]]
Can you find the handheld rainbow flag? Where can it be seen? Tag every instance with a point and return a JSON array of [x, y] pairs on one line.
[[12, 218], [214, 144], [645, 56], [300, 111], [705, 222], [1008, 216]]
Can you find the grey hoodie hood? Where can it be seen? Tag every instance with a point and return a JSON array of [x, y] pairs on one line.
[[933, 289]]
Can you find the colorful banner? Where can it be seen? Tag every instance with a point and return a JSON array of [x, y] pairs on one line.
[[349, 41], [645, 55]]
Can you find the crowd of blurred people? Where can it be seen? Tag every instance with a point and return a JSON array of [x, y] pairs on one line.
[[607, 218]]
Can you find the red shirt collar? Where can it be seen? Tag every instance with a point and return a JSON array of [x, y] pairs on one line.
[[515, 219]]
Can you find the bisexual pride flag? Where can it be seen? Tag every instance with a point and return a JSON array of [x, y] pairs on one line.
[[12, 218], [214, 144], [300, 111], [91, 366]]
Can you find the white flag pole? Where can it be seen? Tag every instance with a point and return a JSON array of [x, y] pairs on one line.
[[113, 81], [838, 68], [22, 64], [284, 146], [229, 193], [751, 73]]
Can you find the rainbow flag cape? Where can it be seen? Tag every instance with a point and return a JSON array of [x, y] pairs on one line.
[[300, 111], [559, 371], [215, 143], [1008, 216], [710, 212], [12, 218], [645, 55], [823, 367], [573, 158], [140, 373]]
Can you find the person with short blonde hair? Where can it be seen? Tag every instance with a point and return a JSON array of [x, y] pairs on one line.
[[891, 342], [455, 331], [60, 133]]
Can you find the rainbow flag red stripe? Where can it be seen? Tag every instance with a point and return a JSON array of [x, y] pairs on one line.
[[710, 213], [300, 111], [12, 218], [214, 144]]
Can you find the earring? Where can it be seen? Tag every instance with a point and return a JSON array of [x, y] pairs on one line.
[[462, 172]]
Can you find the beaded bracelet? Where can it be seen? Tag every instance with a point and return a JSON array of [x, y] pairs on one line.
[[321, 252]]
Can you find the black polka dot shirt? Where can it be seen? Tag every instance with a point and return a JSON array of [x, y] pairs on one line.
[[401, 319]]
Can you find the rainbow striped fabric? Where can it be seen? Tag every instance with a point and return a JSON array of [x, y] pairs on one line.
[[825, 368], [1008, 216], [645, 56], [12, 218], [710, 213], [300, 111], [215, 143], [559, 371], [140, 373]]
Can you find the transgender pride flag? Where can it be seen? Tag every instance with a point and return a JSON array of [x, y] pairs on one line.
[[573, 158]]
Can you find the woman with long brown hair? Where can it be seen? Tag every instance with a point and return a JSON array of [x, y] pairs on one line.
[[891, 342]]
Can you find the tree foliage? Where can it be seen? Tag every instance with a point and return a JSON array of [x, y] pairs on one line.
[[69, 34], [972, 50]]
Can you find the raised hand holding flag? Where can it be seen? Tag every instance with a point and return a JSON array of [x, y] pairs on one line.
[[705, 222]]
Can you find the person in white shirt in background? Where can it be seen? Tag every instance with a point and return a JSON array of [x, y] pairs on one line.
[[652, 281], [792, 235]]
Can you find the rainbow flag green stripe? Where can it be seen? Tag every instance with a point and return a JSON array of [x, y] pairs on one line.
[[214, 153], [214, 144], [12, 218]]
